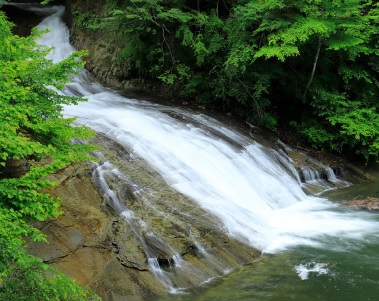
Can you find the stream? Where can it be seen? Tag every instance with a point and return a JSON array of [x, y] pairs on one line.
[[348, 271], [312, 248]]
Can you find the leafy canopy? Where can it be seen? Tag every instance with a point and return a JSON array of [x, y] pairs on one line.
[[312, 64]]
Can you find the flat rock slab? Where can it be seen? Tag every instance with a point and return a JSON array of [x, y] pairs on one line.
[[368, 204]]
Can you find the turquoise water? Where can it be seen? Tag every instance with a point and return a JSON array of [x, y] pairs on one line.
[[344, 276], [347, 271], [359, 191]]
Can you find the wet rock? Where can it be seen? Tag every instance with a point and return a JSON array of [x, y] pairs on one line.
[[91, 245], [108, 247], [367, 204]]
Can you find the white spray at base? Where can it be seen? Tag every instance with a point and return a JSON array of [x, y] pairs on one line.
[[226, 173], [315, 268]]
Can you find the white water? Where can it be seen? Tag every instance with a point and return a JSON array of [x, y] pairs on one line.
[[236, 178], [161, 274], [303, 270]]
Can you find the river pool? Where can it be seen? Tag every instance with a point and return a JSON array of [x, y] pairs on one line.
[[348, 271]]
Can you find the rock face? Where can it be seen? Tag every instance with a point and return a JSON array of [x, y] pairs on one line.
[[111, 252], [368, 204], [24, 21], [101, 46], [81, 240], [104, 47]]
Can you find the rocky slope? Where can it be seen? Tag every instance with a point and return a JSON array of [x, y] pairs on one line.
[[92, 243], [83, 245]]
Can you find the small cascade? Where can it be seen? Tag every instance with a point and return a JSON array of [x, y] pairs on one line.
[[287, 163], [330, 175], [100, 173], [317, 181], [221, 268], [177, 260], [162, 275], [312, 175]]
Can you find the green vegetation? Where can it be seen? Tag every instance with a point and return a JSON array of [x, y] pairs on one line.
[[312, 65], [32, 129]]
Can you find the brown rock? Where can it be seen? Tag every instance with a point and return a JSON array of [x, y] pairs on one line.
[[102, 249], [80, 242], [368, 204]]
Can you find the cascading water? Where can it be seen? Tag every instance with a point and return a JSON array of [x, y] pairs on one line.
[[315, 177], [253, 190]]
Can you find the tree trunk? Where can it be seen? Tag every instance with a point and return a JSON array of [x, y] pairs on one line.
[[313, 69]]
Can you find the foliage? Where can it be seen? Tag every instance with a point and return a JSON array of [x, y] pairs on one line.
[[271, 62], [32, 129], [34, 281], [169, 31], [86, 20]]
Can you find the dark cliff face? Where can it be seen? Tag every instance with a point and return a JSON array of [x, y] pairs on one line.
[[24, 20], [101, 46]]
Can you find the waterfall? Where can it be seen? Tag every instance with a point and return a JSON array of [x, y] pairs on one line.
[[235, 178], [252, 189]]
